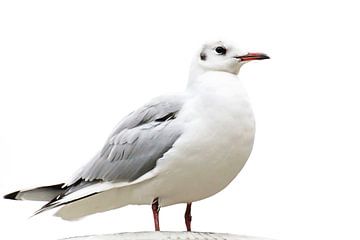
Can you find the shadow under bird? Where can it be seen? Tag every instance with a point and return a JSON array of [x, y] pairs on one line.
[[175, 149]]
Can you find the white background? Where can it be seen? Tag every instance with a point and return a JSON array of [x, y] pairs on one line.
[[70, 70]]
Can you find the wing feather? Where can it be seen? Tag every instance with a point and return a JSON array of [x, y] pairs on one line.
[[131, 151], [136, 144]]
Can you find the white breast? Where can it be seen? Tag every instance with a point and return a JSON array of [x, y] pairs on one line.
[[217, 141]]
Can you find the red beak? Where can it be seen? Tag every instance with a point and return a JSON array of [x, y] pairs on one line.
[[253, 56]]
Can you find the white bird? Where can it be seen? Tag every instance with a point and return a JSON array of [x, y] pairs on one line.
[[175, 149]]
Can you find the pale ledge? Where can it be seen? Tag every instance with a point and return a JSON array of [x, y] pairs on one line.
[[166, 236]]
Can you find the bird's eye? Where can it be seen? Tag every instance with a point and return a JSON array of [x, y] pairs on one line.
[[220, 50]]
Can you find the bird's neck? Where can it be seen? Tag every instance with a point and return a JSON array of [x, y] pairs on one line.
[[196, 71]]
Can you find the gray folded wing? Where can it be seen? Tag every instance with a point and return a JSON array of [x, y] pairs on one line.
[[136, 144], [132, 150]]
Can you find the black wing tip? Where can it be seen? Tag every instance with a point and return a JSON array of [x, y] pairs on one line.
[[12, 196]]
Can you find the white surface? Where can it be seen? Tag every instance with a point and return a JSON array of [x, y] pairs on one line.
[[167, 236], [69, 70]]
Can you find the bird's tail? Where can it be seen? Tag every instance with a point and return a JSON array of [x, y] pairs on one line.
[[44, 193]]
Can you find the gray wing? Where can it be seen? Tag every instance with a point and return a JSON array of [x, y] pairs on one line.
[[132, 150], [136, 144]]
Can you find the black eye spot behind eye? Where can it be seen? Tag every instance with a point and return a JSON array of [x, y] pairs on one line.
[[203, 56], [220, 50]]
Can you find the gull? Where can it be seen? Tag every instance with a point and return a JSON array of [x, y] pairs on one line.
[[175, 149]]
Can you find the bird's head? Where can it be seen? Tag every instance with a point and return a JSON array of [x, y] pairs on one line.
[[221, 56]]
